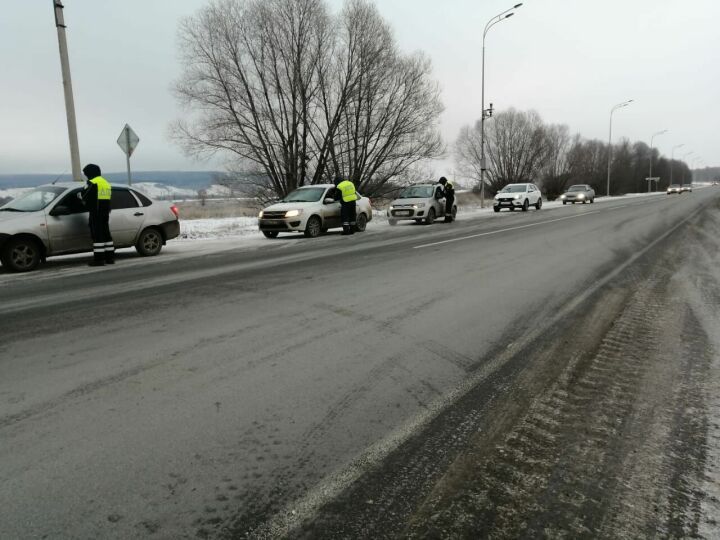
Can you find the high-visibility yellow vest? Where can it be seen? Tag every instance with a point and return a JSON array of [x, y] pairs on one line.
[[104, 188], [347, 189]]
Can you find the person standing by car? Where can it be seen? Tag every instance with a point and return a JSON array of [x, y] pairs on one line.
[[348, 196], [449, 192], [96, 196]]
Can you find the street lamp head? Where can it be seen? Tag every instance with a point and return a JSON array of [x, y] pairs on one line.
[[517, 5], [509, 15]]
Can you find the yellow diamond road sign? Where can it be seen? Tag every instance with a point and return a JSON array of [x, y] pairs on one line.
[[128, 140]]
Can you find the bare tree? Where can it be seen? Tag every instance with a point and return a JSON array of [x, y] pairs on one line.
[[516, 147], [556, 168], [274, 84]]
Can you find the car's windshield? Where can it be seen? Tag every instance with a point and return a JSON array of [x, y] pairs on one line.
[[305, 195], [675, 185], [514, 188], [34, 200], [577, 188], [417, 192]]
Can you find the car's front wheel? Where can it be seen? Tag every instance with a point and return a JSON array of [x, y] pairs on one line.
[[271, 234], [21, 254], [538, 205], [150, 242], [430, 217], [496, 208], [525, 205], [313, 229]]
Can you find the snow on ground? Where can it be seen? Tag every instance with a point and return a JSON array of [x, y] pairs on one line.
[[155, 190]]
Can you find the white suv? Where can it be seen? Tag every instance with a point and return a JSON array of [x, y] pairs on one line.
[[515, 196]]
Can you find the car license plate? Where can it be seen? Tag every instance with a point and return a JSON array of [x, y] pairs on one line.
[[402, 213]]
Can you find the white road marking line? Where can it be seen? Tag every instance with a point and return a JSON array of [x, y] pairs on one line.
[[505, 230]]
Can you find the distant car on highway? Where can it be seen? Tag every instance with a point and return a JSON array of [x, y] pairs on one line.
[[423, 203], [686, 187], [581, 193], [674, 188], [51, 220], [521, 196], [312, 210]]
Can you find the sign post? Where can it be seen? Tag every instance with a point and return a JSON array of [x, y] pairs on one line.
[[128, 141], [650, 180]]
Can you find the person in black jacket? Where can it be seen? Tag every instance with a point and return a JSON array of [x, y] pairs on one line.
[[96, 196], [449, 192]]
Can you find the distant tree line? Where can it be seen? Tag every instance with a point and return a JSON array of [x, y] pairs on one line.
[[295, 95], [520, 147]]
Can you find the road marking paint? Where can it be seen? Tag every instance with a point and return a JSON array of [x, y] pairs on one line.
[[505, 230]]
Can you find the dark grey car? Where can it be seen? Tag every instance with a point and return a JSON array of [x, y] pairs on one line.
[[51, 220], [580, 193]]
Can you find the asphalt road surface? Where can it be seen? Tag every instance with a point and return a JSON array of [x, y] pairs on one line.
[[549, 373]]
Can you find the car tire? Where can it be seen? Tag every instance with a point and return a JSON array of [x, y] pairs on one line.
[[21, 254], [313, 228], [512, 208], [538, 205], [430, 219], [592, 201], [271, 234], [361, 222], [525, 205], [496, 208], [564, 203], [150, 242], [392, 222]]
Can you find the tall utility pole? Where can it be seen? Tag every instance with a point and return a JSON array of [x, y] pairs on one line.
[[615, 108], [67, 87], [487, 113], [651, 157], [672, 160]]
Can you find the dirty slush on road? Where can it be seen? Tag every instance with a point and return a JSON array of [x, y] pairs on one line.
[[607, 428]]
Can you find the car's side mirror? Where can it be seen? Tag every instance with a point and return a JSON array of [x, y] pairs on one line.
[[328, 200]]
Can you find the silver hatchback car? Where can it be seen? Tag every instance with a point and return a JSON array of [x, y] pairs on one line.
[[423, 203], [52, 220]]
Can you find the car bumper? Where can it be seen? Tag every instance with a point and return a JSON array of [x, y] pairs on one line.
[[280, 225], [406, 213], [171, 229], [508, 203], [575, 199]]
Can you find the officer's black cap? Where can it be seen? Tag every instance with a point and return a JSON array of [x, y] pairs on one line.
[[91, 171]]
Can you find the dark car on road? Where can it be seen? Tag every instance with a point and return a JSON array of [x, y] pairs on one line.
[[581, 193]]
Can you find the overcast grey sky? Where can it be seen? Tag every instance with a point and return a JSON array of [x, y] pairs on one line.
[[571, 60]]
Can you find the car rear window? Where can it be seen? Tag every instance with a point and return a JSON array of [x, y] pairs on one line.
[[122, 198], [143, 199]]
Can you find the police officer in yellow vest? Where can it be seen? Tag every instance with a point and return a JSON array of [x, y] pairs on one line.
[[96, 196], [348, 196]]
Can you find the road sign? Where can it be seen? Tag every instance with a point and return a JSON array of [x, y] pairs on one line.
[[128, 140]]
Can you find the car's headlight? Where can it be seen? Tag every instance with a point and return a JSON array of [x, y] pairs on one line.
[[563, 196], [419, 205], [516, 197], [260, 215], [391, 207], [293, 213], [581, 196]]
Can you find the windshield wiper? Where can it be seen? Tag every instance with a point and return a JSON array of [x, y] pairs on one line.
[[10, 210]]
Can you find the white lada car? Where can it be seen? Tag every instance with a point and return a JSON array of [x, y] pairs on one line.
[[311, 210]]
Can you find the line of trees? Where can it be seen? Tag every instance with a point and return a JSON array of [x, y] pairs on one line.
[[295, 95], [520, 147]]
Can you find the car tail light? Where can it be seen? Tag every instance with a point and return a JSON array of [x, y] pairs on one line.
[[175, 211]]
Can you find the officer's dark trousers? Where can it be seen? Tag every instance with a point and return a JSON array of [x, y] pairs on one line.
[[449, 202], [103, 247], [348, 216]]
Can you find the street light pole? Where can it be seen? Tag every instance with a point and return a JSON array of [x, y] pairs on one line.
[[672, 160], [651, 156], [487, 113], [615, 108], [684, 158], [67, 87]]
